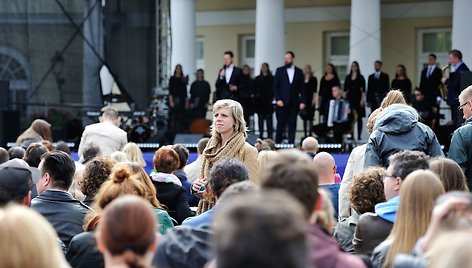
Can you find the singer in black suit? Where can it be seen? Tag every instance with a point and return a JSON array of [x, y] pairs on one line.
[[229, 83], [431, 80], [289, 93], [378, 86]]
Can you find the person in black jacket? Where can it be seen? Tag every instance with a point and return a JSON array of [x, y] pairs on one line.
[[178, 99], [328, 81], [311, 89], [402, 82], [264, 95], [199, 95], [229, 83], [289, 92], [65, 213], [378, 86], [431, 80], [354, 86], [247, 94]]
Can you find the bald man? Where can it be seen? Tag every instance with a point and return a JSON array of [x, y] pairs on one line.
[[310, 146], [325, 165]]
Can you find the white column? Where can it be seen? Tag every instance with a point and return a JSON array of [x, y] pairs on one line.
[[364, 42], [461, 35], [182, 19], [270, 34]]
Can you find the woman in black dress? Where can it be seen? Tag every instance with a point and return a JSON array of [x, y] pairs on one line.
[[354, 85], [308, 113], [330, 79], [178, 99], [263, 97], [402, 82]]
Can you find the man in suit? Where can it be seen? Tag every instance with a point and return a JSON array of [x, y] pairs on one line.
[[431, 80], [229, 82], [289, 93], [453, 85], [378, 86]]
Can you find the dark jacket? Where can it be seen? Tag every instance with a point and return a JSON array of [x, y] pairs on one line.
[[371, 230], [222, 88], [264, 94], [453, 84], [192, 199], [377, 88], [397, 129], [174, 197], [63, 212], [430, 85], [291, 94], [324, 251], [461, 149], [380, 253], [344, 232], [83, 252]]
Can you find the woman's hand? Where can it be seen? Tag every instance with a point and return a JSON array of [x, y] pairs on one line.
[[197, 184]]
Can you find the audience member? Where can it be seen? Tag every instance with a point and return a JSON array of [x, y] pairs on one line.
[[134, 153], [372, 228], [28, 240], [450, 173], [310, 146], [106, 135], [121, 245], [461, 147], [169, 188], [325, 166], [38, 131], [294, 173], [325, 216], [222, 175], [4, 157], [261, 145], [90, 153], [451, 249], [417, 196], [62, 146], [119, 156], [54, 202], [265, 157], [193, 169], [394, 96], [263, 230], [366, 191], [47, 144], [397, 129], [33, 154], [16, 152], [74, 188], [16, 181], [96, 172], [183, 153]]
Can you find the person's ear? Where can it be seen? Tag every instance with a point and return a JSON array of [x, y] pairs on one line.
[[319, 204], [100, 245], [27, 199], [153, 246], [47, 180]]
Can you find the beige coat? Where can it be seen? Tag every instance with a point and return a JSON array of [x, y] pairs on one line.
[[106, 136], [248, 155]]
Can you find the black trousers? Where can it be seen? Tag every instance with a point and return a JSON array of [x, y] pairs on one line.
[[267, 118], [286, 116]]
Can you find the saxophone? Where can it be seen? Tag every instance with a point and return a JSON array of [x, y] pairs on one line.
[[445, 74]]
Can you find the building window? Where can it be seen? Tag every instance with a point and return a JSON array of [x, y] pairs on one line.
[[199, 52], [15, 68], [437, 41], [337, 52], [248, 50]]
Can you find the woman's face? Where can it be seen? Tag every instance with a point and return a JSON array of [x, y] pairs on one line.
[[399, 70], [264, 68], [354, 67], [328, 69], [178, 69], [224, 121]]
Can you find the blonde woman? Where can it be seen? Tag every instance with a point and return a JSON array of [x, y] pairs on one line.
[[228, 140], [28, 240], [134, 153], [418, 194]]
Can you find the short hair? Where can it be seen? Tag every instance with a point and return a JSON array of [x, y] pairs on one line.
[[16, 152], [110, 112], [466, 94], [200, 70], [237, 189], [15, 186], [230, 53], [367, 190], [62, 146], [261, 230], [115, 232], [202, 144], [293, 171], [33, 154], [182, 151], [432, 55], [450, 174], [60, 167], [95, 174], [291, 53], [90, 153], [166, 160], [456, 53], [378, 62], [4, 157], [236, 111], [225, 173], [24, 231], [406, 162]]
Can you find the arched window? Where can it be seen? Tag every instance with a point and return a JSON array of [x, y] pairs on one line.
[[14, 67]]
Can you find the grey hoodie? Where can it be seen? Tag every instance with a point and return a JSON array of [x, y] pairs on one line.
[[397, 129]]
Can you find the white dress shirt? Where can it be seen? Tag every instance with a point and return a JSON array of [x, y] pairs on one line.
[[229, 72], [291, 73]]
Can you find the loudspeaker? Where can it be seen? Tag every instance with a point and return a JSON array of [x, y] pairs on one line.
[[187, 138], [9, 127], [466, 79], [4, 93]]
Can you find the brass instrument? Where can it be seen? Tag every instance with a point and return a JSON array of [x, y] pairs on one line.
[[445, 74]]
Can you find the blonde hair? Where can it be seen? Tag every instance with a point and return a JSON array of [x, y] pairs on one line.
[[466, 94], [394, 96], [75, 189], [28, 240], [325, 216], [372, 118], [134, 153], [418, 194], [119, 156], [140, 174], [236, 111], [451, 249], [450, 174]]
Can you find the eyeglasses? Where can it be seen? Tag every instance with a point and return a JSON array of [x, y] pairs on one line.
[[461, 107]]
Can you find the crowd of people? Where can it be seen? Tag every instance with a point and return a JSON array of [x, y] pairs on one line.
[[399, 203]]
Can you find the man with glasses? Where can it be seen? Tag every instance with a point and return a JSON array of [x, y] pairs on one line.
[[461, 143], [373, 228]]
